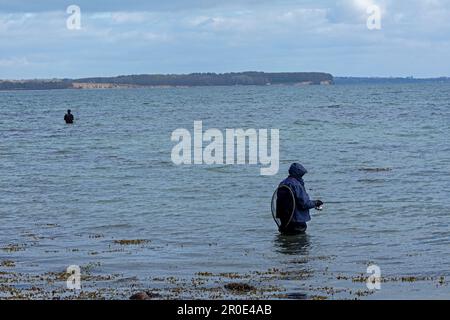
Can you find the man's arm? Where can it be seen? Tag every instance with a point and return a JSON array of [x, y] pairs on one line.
[[303, 199]]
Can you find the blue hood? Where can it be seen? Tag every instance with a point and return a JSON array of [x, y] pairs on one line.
[[297, 171]]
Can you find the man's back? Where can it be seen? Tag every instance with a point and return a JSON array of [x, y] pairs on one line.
[[68, 118]]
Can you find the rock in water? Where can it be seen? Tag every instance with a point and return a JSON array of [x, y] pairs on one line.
[[145, 296], [140, 296]]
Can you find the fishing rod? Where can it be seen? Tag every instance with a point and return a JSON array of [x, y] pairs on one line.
[[358, 201], [377, 201], [287, 214]]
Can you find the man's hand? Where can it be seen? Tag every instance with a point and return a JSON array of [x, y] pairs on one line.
[[319, 203]]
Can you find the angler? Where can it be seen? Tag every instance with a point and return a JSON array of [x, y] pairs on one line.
[[293, 202]]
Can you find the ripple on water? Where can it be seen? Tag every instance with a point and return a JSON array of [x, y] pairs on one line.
[[115, 180]]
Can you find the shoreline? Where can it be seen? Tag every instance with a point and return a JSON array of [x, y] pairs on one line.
[[268, 285], [100, 86], [169, 80]]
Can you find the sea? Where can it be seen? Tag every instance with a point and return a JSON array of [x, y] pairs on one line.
[[103, 195]]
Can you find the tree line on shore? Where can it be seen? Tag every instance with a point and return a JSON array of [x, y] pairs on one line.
[[193, 79]]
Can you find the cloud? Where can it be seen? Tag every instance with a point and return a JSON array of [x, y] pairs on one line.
[[137, 5], [14, 62], [146, 36], [129, 17], [353, 11]]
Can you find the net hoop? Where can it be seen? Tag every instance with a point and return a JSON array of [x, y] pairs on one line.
[[273, 205]]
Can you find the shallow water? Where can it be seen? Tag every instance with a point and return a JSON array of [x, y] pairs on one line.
[[67, 192]]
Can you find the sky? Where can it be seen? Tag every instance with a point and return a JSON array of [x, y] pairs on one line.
[[184, 36]]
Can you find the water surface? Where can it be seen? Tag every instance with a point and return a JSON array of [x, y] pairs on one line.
[[68, 192]]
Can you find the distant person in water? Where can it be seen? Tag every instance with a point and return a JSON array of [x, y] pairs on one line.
[[296, 223], [68, 117]]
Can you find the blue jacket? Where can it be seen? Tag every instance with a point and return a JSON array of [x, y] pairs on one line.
[[297, 185]]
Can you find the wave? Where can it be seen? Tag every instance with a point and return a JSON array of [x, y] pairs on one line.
[[375, 169]]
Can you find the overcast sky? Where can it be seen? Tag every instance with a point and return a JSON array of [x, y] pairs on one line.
[[182, 36]]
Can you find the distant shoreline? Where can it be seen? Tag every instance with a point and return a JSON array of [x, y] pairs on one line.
[[173, 80], [388, 80], [206, 80]]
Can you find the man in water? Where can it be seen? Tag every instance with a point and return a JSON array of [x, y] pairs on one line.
[[296, 224], [68, 117]]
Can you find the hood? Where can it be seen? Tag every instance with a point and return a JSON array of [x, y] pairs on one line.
[[297, 170]]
